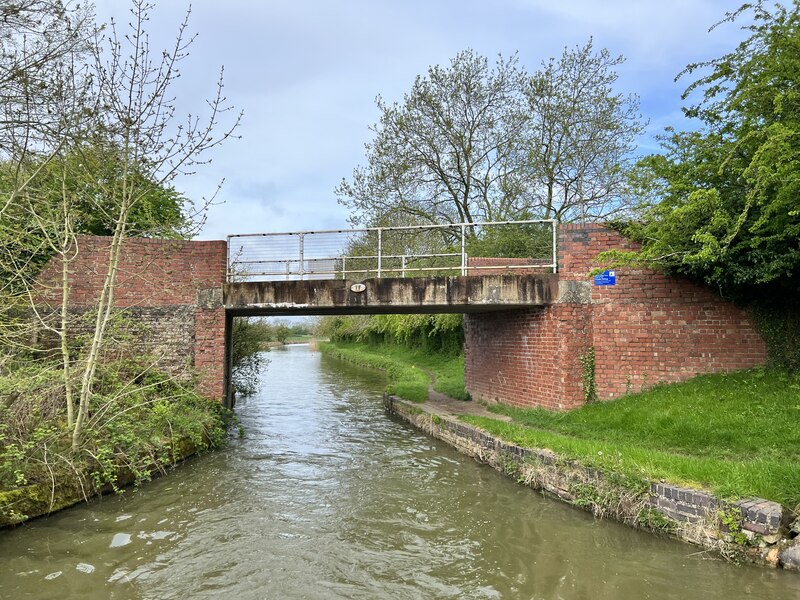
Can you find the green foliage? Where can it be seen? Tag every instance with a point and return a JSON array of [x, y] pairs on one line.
[[779, 326], [248, 341], [141, 420], [351, 328], [652, 519], [76, 192], [726, 194], [440, 333], [90, 174], [533, 240], [731, 524]]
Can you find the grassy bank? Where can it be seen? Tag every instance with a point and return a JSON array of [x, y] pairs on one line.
[[406, 369], [736, 434], [138, 423]]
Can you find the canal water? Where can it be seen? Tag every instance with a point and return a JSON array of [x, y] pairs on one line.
[[326, 497]]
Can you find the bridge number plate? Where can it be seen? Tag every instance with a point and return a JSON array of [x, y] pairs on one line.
[[606, 278], [358, 288]]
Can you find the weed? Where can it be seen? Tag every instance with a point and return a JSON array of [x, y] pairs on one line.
[[730, 522], [652, 519]]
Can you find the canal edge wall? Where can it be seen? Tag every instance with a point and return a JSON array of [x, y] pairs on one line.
[[752, 529], [19, 505]]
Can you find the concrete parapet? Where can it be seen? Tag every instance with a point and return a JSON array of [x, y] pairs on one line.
[[392, 295]]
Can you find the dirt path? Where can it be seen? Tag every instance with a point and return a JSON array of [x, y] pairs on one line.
[[443, 405]]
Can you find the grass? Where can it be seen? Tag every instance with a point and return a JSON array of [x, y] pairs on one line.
[[406, 368], [737, 434]]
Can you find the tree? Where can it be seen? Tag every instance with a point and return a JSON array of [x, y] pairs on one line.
[[445, 153], [108, 159], [248, 343], [43, 46], [726, 207], [471, 142], [579, 138]]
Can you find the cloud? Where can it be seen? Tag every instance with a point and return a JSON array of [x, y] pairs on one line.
[[306, 74]]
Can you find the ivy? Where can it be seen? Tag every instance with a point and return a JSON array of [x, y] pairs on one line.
[[588, 375]]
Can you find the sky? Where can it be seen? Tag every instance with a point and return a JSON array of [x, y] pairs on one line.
[[305, 73]]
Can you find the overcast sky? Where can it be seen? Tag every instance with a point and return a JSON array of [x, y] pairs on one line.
[[306, 73]]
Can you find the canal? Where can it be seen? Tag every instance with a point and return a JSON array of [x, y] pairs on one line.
[[326, 497]]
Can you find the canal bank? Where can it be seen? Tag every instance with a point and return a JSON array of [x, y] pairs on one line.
[[36, 500], [751, 529]]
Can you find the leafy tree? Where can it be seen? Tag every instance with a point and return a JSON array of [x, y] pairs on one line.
[[445, 153], [726, 195], [472, 142]]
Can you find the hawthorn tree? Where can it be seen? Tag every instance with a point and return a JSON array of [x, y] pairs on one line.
[[726, 195]]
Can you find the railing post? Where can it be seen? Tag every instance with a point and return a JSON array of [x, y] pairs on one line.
[[555, 248], [344, 267], [463, 249], [302, 266], [379, 251], [228, 270], [403, 266]]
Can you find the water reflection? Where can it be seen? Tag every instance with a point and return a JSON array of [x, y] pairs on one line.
[[325, 497]]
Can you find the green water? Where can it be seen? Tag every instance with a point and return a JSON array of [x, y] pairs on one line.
[[326, 497]]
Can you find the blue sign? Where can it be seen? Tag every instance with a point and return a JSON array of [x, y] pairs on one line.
[[606, 278]]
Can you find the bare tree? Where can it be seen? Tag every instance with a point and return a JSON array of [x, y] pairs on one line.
[[137, 126], [113, 137], [40, 41]]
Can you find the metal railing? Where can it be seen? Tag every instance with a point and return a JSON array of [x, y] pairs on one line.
[[447, 249]]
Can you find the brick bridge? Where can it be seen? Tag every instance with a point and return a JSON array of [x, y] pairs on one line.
[[527, 331]]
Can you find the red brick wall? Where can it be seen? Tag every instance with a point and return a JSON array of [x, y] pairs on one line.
[[165, 275], [648, 328], [517, 357]]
